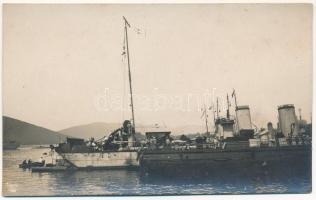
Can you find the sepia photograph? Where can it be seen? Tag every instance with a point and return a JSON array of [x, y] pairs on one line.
[[156, 99]]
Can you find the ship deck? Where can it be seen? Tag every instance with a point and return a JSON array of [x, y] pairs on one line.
[[218, 150]]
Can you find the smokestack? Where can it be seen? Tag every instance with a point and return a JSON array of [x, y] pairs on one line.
[[287, 120], [243, 118]]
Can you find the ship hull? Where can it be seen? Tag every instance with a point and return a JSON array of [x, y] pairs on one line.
[[102, 160], [206, 160]]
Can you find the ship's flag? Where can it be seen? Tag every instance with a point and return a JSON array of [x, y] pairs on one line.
[[139, 31], [233, 94]]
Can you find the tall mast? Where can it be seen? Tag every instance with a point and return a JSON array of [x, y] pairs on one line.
[[206, 123], [213, 112], [228, 115], [234, 95], [126, 24], [217, 107]]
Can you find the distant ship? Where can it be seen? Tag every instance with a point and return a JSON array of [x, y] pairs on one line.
[[10, 145], [118, 150]]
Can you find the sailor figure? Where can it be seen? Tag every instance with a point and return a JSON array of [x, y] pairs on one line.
[[41, 160]]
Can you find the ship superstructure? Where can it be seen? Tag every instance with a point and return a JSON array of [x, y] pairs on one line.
[[238, 127], [234, 145]]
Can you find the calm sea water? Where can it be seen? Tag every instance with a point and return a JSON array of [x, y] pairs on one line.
[[19, 182]]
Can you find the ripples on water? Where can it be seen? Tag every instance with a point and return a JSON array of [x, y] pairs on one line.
[[19, 182]]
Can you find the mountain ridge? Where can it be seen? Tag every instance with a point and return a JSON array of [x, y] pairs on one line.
[[101, 129], [26, 133], [94, 129]]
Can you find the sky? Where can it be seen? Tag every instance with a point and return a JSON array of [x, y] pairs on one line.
[[63, 64]]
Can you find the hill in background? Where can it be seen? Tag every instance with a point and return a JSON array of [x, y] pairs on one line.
[[100, 129], [96, 130], [26, 133]]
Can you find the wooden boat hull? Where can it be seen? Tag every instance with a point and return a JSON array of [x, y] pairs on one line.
[[34, 164], [102, 160]]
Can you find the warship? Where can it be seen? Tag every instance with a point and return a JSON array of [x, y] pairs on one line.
[[234, 146]]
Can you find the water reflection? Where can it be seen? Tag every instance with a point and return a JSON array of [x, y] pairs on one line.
[[238, 182], [114, 182]]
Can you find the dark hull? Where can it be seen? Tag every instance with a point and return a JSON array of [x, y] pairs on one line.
[[208, 161], [31, 165]]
